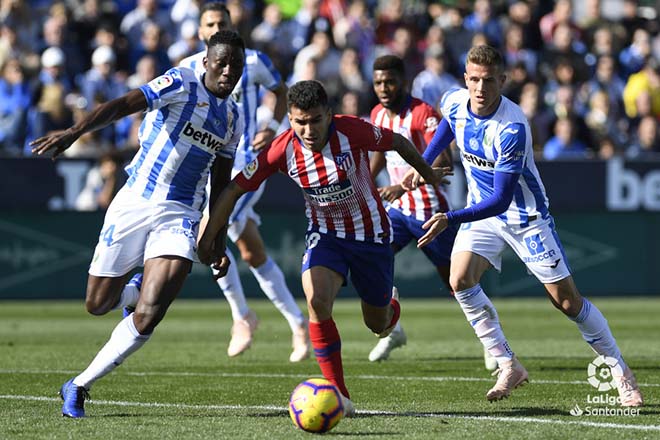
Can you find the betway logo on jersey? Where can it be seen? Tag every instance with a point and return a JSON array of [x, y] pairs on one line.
[[335, 192], [479, 162], [202, 138]]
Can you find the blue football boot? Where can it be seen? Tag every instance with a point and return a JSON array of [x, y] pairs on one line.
[[74, 400]]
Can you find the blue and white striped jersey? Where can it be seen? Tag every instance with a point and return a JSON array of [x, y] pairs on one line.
[[258, 70], [183, 131], [499, 142]]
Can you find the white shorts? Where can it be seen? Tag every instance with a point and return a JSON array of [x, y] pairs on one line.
[[537, 245], [135, 230]]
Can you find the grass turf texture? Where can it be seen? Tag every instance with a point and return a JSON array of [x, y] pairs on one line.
[[182, 385]]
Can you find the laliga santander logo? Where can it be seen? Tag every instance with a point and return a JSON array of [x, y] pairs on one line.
[[602, 371]]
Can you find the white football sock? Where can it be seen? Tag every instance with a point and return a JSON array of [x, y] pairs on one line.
[[596, 332], [482, 316], [233, 289], [125, 339], [130, 295], [271, 280]]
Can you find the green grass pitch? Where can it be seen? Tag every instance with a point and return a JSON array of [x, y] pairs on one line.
[[182, 385]]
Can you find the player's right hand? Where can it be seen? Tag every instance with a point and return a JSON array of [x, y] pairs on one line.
[[58, 140], [391, 193]]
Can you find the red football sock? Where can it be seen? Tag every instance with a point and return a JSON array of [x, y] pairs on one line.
[[396, 307], [327, 348]]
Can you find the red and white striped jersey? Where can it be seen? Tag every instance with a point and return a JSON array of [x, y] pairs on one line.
[[417, 122], [340, 196]]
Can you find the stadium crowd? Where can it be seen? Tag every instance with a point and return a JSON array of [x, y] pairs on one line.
[[588, 83]]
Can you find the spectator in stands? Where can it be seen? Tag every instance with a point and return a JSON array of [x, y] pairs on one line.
[[458, 41], [55, 34], [14, 102], [188, 44], [482, 20], [327, 56], [102, 183], [151, 43], [101, 83], [562, 14], [12, 47], [644, 82], [403, 45], [350, 76], [145, 71], [431, 83], [516, 78], [601, 122], [514, 52], [564, 144], [647, 141], [53, 62], [183, 11], [307, 22], [605, 79], [355, 29], [633, 57], [565, 46], [107, 35], [520, 13], [146, 11], [529, 104]]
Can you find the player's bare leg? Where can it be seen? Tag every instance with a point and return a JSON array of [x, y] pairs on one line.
[[321, 286], [163, 279], [272, 282], [596, 332], [467, 269], [103, 293]]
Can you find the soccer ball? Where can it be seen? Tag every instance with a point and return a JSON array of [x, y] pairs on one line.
[[315, 405]]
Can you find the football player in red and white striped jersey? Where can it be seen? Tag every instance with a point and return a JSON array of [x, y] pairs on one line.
[[349, 231]]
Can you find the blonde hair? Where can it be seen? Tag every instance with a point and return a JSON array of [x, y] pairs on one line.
[[485, 55]]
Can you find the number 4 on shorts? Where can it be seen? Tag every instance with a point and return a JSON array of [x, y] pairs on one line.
[[107, 235]]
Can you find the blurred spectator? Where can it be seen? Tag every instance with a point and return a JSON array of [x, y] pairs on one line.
[[633, 57], [349, 72], [529, 104], [355, 29], [151, 43], [607, 149], [145, 71], [482, 20], [389, 18], [644, 82], [520, 13], [307, 22], [350, 105], [146, 11], [327, 57], [459, 41], [14, 102], [49, 114], [605, 79], [102, 184], [561, 105], [107, 35], [55, 34], [432, 82], [516, 77], [564, 144], [270, 36], [563, 46], [53, 62], [185, 11], [187, 45], [514, 52], [562, 14], [12, 47], [403, 45], [600, 120], [647, 140]]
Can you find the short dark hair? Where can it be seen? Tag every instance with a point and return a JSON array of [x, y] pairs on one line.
[[390, 62], [231, 38], [306, 95], [214, 6], [485, 55]]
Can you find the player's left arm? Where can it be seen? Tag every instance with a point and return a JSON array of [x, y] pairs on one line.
[[220, 178], [508, 169], [268, 75]]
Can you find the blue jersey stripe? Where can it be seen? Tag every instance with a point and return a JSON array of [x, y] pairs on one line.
[[186, 114], [519, 200], [271, 68], [535, 187], [184, 182], [240, 206], [155, 128]]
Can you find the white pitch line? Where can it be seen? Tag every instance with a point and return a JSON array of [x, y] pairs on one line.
[[302, 376], [366, 412]]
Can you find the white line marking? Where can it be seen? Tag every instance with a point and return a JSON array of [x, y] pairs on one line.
[[366, 412], [303, 376]]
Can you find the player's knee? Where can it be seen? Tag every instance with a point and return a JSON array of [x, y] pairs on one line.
[[97, 306], [461, 282], [254, 258], [322, 307]]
